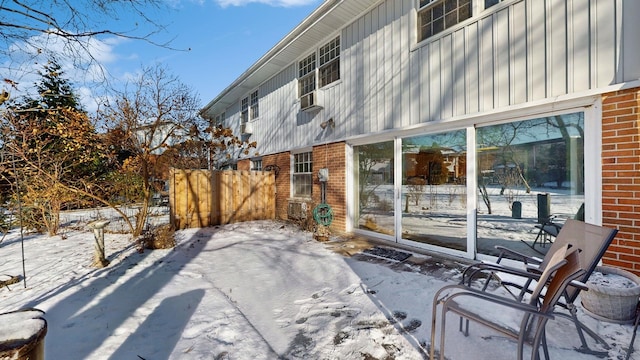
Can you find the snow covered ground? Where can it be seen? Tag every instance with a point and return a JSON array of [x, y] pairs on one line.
[[256, 290]]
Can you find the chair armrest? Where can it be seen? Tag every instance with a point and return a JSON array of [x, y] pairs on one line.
[[525, 258], [533, 268], [579, 284], [473, 271], [454, 291]]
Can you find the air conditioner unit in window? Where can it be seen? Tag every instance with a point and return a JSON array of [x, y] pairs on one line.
[[309, 101], [297, 210], [246, 128]]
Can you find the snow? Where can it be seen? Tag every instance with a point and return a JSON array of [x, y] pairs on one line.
[[20, 325], [613, 281], [255, 290]]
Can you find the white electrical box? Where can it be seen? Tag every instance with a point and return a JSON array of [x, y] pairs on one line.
[[323, 175]]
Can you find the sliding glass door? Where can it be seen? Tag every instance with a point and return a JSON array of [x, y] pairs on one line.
[[434, 191], [527, 171], [374, 166], [415, 189]]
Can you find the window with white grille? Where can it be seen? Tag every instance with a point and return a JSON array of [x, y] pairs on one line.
[[435, 16], [302, 179], [319, 68]]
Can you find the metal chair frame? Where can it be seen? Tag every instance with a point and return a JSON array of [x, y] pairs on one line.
[[593, 241], [563, 268]]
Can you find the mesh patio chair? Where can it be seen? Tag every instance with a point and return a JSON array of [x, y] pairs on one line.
[[562, 267], [593, 241]]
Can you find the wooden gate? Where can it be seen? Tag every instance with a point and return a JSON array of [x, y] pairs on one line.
[[201, 198]]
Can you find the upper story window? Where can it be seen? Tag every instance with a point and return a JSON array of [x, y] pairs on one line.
[[329, 62], [219, 119], [435, 16], [327, 67], [255, 113], [307, 75], [490, 3], [244, 110], [249, 108]]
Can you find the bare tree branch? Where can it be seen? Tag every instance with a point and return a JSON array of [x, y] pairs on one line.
[[71, 29]]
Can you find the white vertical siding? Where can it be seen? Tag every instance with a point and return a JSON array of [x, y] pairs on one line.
[[472, 69], [520, 52], [518, 47]]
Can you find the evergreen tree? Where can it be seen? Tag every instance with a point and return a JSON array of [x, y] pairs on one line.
[[55, 147]]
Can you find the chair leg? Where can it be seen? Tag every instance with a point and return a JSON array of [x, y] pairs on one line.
[[464, 331], [434, 310], [581, 329], [442, 330], [635, 330], [542, 235]]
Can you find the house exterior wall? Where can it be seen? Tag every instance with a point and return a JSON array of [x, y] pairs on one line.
[[519, 54], [332, 157], [281, 164], [244, 164], [621, 176], [513, 53]]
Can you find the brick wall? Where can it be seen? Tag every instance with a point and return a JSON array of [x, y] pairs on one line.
[[244, 164], [282, 164], [332, 157], [621, 176]]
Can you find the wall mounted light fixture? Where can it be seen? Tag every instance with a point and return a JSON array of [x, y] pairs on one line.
[[330, 123]]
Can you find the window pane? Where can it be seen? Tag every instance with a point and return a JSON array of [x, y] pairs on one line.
[[441, 16], [302, 177], [438, 10], [526, 170], [374, 187], [244, 113], [307, 65], [307, 84], [464, 12], [254, 105], [330, 73], [434, 192], [302, 185], [450, 5]]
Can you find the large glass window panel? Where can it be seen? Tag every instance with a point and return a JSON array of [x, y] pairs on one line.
[[374, 187], [527, 171], [434, 194]]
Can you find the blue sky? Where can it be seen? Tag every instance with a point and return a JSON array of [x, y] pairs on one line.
[[225, 37], [224, 40]]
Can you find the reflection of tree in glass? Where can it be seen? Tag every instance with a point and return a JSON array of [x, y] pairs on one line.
[[535, 151], [375, 167]]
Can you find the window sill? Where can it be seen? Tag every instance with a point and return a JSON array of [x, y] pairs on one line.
[[335, 83]]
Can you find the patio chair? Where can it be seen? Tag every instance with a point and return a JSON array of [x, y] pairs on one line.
[[562, 267], [549, 229], [593, 241]]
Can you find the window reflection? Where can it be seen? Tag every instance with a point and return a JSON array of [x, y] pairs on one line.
[[374, 187], [434, 189], [527, 170]]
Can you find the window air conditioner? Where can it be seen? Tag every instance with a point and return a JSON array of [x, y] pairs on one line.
[[309, 101], [246, 128], [297, 210]]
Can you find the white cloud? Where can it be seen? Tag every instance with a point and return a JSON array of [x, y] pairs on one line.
[[282, 3], [84, 64]]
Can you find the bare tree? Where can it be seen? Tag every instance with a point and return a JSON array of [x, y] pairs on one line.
[[29, 22], [33, 30], [154, 113]]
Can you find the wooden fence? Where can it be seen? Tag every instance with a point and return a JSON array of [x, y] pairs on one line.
[[201, 198]]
